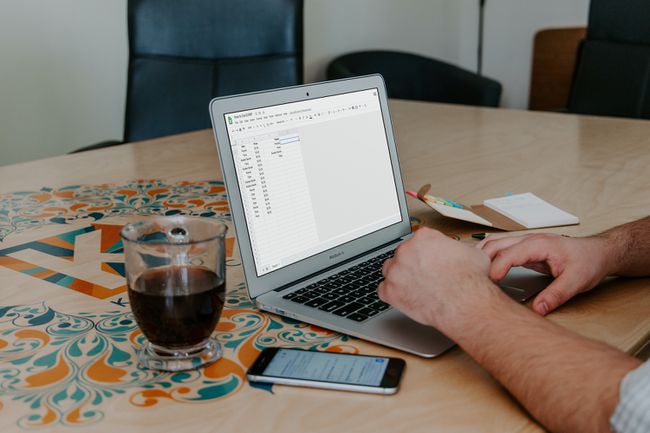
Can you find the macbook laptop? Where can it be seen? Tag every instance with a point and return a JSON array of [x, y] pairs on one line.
[[318, 204]]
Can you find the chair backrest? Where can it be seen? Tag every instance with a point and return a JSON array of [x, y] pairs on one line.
[[624, 21], [410, 76], [555, 52], [613, 73], [185, 52]]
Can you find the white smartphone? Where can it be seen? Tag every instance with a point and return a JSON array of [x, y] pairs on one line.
[[339, 371]]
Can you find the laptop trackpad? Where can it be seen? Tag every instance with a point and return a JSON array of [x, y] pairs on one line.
[[522, 284]]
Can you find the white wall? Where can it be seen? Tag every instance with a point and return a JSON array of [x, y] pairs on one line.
[[63, 63], [510, 26], [445, 29], [62, 75], [335, 27]]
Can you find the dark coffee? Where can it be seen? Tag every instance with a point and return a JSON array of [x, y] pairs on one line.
[[177, 306]]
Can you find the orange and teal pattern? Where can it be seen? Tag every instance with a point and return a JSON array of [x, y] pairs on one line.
[[65, 368], [28, 210], [63, 247]]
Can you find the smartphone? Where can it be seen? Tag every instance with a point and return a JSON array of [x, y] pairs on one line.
[[340, 371]]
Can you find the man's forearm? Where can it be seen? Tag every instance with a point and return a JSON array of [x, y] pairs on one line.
[[568, 382], [630, 248]]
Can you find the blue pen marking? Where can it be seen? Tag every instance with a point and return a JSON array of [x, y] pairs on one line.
[[453, 203]]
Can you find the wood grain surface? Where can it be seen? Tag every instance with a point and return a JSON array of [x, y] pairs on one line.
[[595, 168]]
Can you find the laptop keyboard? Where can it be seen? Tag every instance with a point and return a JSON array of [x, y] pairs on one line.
[[351, 293]]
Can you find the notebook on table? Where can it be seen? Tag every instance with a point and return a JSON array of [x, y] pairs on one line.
[[511, 212]]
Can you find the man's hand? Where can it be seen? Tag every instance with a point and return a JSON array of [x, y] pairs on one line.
[[577, 264], [566, 381], [436, 280]]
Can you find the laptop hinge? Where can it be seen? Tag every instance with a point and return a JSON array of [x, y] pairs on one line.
[[343, 263]]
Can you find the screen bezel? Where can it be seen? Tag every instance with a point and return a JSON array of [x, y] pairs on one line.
[[219, 107], [390, 379]]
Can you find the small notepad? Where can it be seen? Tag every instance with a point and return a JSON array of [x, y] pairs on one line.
[[511, 213], [531, 211]]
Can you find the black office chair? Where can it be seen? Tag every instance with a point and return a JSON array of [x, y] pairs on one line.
[[410, 76], [183, 53], [612, 77]]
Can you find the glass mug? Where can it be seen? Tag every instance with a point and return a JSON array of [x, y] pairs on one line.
[[175, 271]]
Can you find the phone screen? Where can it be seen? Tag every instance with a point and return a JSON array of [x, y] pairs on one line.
[[327, 367]]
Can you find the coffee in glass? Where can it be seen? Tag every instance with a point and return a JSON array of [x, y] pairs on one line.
[[175, 268]]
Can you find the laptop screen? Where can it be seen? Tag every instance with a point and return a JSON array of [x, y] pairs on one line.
[[312, 175]]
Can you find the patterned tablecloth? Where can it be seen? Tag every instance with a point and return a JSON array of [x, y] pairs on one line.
[[67, 336]]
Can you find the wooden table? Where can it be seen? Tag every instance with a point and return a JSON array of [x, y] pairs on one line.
[[66, 359]]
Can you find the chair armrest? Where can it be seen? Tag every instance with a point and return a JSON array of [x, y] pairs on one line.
[[99, 145]]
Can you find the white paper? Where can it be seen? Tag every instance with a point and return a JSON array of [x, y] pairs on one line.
[[531, 211]]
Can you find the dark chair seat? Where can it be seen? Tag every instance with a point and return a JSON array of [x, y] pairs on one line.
[[410, 76]]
